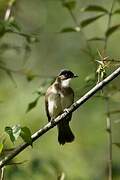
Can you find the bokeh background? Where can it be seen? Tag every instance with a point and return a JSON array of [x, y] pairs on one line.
[[34, 64]]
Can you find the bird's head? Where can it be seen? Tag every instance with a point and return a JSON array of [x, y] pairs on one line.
[[66, 76]]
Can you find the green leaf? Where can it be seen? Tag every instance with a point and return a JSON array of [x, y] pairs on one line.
[[2, 28], [118, 1], [8, 130], [117, 11], [70, 29], [69, 4], [96, 39], [112, 29], [32, 104], [88, 21], [26, 135], [1, 147], [15, 25], [13, 132], [93, 8], [8, 26], [117, 144], [30, 77], [115, 97], [90, 78], [9, 73]]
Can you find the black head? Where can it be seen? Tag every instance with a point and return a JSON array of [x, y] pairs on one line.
[[67, 74]]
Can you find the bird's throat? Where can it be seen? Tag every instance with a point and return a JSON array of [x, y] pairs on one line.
[[65, 83]]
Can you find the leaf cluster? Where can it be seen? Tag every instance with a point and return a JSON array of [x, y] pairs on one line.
[[18, 131]]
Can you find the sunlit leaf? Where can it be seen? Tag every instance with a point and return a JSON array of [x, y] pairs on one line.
[[70, 29], [88, 21], [13, 132], [1, 147], [93, 8], [112, 29], [26, 135], [32, 104], [69, 4]]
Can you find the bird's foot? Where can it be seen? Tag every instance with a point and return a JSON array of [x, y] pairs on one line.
[[66, 110], [52, 121]]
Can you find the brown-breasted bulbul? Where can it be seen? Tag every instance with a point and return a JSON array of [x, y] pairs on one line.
[[60, 96]]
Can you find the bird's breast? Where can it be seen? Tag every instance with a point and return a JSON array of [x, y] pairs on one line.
[[66, 100], [54, 105]]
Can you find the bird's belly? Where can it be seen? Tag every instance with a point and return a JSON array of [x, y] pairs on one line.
[[65, 101], [54, 106]]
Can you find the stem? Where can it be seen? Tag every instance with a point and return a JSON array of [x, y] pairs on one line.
[[9, 10], [73, 17], [61, 176], [109, 130], [57, 120], [108, 119], [108, 25], [89, 51], [2, 173]]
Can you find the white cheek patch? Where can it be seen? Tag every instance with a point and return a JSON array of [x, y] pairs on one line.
[[66, 82]]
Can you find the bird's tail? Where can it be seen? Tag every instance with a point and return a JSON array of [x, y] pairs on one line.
[[65, 134]]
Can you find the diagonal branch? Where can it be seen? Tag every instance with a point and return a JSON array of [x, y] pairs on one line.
[[50, 125]]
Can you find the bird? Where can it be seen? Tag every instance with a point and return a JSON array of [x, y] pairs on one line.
[[59, 96]]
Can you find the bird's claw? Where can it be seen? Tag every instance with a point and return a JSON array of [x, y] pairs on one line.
[[52, 121], [66, 110]]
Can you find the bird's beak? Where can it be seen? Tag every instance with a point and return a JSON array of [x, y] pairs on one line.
[[75, 76]]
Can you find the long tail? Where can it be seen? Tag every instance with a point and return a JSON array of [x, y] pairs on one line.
[[65, 134]]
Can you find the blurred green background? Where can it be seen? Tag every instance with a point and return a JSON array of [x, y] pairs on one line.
[[86, 157]]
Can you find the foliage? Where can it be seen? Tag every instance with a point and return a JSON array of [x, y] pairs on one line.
[[95, 48], [17, 131]]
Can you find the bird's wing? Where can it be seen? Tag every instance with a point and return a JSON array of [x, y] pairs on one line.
[[72, 101], [68, 100]]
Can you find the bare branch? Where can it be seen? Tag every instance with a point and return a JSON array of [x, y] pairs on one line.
[[61, 176], [2, 174], [9, 10], [50, 125]]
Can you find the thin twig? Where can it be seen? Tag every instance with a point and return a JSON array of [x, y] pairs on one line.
[[2, 173], [23, 72], [61, 176], [9, 10], [50, 125], [108, 119], [114, 112], [109, 130], [108, 25], [89, 51]]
